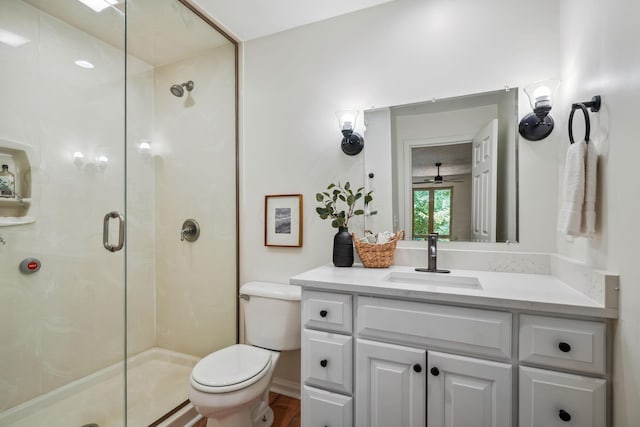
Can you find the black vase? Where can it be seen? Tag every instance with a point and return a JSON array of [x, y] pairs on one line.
[[343, 248]]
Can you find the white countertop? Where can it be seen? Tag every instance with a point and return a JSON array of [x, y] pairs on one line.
[[536, 292]]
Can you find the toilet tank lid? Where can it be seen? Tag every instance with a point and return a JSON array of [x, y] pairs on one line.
[[271, 290]]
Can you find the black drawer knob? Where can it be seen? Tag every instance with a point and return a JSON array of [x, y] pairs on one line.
[[323, 313], [564, 347], [435, 371], [564, 415], [324, 363], [417, 368]]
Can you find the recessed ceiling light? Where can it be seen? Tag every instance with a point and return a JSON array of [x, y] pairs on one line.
[[12, 39], [84, 64], [98, 5]]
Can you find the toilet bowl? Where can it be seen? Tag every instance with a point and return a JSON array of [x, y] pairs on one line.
[[230, 387], [230, 384]]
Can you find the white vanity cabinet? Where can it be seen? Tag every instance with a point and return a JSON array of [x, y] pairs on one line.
[[549, 398], [390, 385], [396, 377], [327, 359], [399, 380], [372, 360], [465, 391]]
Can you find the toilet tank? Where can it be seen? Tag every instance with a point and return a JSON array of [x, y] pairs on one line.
[[271, 315]]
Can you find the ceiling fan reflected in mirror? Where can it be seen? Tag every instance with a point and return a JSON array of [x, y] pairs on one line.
[[438, 179]]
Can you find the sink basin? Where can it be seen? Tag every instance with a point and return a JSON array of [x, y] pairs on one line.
[[433, 279]]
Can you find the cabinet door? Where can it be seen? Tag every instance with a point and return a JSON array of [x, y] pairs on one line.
[[390, 385], [464, 391], [555, 399]]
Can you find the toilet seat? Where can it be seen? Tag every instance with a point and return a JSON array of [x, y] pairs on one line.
[[230, 369]]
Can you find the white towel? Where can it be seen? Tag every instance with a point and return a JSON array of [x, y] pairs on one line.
[[570, 215], [588, 223]]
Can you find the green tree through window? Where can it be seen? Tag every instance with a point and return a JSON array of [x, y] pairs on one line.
[[432, 212]]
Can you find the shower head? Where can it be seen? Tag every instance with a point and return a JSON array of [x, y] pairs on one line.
[[178, 90]]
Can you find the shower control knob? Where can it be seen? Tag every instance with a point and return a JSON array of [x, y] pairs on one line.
[[323, 313], [324, 363], [190, 231], [29, 265]]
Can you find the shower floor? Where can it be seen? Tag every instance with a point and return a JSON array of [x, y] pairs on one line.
[[157, 379]]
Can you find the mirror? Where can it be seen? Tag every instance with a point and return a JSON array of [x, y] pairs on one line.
[[448, 166]]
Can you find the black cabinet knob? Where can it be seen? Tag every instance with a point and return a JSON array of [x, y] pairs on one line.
[[324, 363], [435, 371], [564, 415], [417, 368], [323, 313], [564, 347]]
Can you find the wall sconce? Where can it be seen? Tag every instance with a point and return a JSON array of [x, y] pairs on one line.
[[539, 124], [352, 142]]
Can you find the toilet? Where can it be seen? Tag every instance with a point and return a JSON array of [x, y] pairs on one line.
[[230, 387]]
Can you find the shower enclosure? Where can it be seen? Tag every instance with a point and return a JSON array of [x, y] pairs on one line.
[[105, 154]]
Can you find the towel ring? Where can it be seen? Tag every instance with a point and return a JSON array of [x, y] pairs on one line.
[[587, 122], [594, 105]]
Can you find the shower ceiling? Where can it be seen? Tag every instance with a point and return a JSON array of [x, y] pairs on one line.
[[250, 19], [152, 43]]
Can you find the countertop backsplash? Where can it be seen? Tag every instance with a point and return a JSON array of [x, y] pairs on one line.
[[601, 286]]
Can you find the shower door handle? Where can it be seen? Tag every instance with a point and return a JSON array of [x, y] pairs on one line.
[[105, 232]]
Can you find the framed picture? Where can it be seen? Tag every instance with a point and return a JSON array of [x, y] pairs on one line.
[[283, 220]]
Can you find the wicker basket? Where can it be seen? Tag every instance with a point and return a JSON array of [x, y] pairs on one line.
[[377, 255]]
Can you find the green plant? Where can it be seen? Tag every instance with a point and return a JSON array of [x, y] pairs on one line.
[[336, 193]]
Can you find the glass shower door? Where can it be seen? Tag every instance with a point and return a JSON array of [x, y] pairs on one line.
[[62, 135], [181, 165]]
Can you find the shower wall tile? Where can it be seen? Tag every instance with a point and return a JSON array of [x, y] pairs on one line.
[[67, 320], [141, 324], [195, 178]]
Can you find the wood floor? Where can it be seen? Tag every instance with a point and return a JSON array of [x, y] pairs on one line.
[[286, 411]]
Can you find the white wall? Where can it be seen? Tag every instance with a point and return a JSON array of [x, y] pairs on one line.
[[397, 53], [600, 57]]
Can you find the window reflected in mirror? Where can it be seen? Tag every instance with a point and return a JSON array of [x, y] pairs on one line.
[[432, 212]]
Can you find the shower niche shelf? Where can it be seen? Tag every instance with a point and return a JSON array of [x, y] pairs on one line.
[[20, 158]]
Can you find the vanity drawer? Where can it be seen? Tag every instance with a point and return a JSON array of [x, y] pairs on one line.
[[563, 343], [327, 311], [420, 324], [326, 360], [325, 409], [550, 398]]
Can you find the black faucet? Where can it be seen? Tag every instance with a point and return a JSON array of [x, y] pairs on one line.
[[432, 255]]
